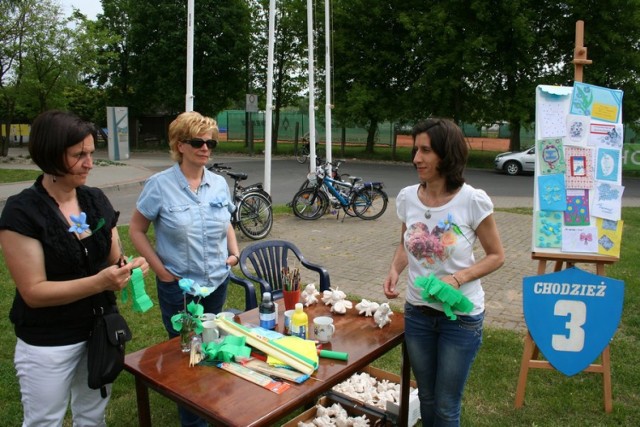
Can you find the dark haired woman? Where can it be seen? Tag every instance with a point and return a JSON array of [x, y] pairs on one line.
[[442, 217], [61, 246]]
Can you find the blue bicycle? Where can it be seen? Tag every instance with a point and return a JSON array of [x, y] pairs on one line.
[[365, 200]]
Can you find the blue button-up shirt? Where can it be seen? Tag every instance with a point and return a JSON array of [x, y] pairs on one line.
[[190, 229]]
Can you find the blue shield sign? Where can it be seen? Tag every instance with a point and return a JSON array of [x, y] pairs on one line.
[[572, 315]]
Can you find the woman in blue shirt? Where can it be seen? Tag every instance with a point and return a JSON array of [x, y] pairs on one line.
[[190, 208]]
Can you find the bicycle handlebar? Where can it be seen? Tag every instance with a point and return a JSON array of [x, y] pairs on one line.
[[219, 166]]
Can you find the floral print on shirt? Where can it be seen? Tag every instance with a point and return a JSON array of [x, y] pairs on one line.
[[433, 246]]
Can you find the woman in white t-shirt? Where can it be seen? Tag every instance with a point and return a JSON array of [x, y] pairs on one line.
[[442, 217]]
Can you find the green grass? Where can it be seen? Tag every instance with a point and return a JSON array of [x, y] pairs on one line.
[[551, 398], [18, 175]]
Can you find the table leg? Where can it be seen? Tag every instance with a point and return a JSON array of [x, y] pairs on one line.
[[142, 397], [403, 418]]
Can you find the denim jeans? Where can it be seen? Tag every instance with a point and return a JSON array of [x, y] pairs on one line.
[[171, 301], [441, 352]]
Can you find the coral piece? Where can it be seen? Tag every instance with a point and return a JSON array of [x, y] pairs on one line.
[[383, 314], [309, 295], [367, 307], [340, 307], [337, 299]]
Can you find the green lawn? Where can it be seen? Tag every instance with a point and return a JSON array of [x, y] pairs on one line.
[[551, 399]]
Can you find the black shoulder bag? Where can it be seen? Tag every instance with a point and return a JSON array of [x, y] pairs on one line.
[[106, 347], [110, 332]]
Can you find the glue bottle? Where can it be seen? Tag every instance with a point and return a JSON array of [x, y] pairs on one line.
[[299, 322], [267, 312]]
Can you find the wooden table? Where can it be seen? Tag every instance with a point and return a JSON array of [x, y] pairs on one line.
[[225, 399]]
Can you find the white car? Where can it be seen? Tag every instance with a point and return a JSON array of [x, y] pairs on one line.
[[515, 163]]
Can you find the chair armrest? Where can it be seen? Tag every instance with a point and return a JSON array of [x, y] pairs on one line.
[[325, 281], [250, 300]]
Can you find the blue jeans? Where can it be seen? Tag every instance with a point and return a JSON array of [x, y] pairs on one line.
[[441, 352], [171, 301]]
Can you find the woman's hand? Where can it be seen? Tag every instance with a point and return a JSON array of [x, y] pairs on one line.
[[390, 285], [115, 278], [141, 263], [233, 260]]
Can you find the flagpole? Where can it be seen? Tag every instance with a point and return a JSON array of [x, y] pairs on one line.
[[189, 94]]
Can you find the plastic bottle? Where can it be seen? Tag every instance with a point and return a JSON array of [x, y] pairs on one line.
[[299, 322], [267, 312]]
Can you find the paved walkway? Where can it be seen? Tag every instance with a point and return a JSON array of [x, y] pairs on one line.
[[357, 253]]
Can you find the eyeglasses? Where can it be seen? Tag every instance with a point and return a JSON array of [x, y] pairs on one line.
[[199, 142]]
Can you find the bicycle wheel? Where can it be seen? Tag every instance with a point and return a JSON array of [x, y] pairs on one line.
[[302, 154], [369, 203], [309, 203], [255, 216]]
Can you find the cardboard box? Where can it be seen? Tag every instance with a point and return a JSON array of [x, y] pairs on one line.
[[309, 415], [392, 409]]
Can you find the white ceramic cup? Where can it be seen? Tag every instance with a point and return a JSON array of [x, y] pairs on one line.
[[210, 332], [227, 315], [208, 316], [287, 321], [323, 328]]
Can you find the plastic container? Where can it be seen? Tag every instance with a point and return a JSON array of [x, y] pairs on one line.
[[299, 322], [267, 312]]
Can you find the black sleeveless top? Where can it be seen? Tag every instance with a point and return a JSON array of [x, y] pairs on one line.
[[65, 258]]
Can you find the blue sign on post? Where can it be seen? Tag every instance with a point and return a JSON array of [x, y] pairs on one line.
[[572, 315]]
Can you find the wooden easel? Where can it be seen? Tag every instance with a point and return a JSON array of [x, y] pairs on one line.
[[531, 353]]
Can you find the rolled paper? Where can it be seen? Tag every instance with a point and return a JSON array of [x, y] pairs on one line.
[[291, 358], [329, 354]]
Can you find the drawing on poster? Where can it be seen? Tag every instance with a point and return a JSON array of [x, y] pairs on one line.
[[578, 174]]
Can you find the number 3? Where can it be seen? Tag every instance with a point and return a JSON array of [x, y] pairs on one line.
[[577, 310]]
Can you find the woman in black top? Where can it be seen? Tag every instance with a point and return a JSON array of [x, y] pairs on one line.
[[61, 246]]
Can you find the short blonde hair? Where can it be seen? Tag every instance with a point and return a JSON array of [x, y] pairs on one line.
[[186, 126]]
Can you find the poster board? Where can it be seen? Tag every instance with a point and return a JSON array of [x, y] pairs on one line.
[[578, 174]]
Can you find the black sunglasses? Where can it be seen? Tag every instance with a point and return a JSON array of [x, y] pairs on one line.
[[199, 142]]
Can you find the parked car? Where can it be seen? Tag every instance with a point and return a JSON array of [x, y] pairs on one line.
[[515, 163]]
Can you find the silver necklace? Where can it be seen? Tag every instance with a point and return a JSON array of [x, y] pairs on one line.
[[427, 214]]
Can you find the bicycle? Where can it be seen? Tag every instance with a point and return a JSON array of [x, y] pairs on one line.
[[254, 213], [366, 200], [303, 151], [335, 174]]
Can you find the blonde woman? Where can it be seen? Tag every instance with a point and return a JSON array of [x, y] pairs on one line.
[[190, 208]]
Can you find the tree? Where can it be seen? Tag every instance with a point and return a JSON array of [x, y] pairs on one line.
[[156, 52], [289, 55], [373, 63], [12, 34], [50, 62], [612, 37]]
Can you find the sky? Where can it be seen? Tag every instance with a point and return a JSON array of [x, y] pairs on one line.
[[89, 7]]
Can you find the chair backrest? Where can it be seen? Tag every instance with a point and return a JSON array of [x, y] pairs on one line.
[[263, 262]]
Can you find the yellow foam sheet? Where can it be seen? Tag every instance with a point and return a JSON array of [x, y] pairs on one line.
[[306, 348]]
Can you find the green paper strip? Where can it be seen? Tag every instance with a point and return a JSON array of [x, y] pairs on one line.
[[435, 290]]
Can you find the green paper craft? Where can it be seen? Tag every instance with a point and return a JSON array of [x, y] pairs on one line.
[[193, 315], [141, 301], [435, 290], [228, 350]]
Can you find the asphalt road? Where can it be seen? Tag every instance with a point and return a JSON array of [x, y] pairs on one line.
[[287, 175]]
